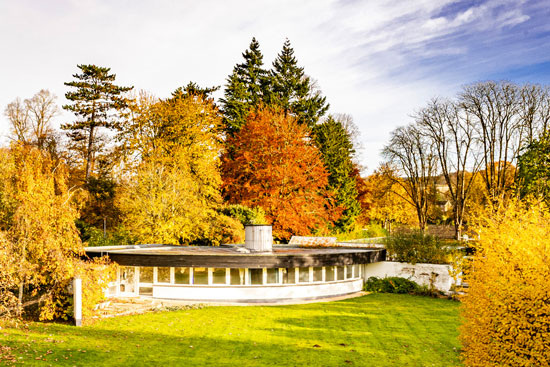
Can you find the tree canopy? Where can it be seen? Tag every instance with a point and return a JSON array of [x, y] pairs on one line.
[[93, 100], [276, 166]]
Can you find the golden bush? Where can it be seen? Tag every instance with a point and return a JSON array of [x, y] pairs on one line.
[[506, 311]]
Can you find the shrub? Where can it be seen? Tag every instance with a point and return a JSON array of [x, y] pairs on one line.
[[417, 247], [506, 310], [399, 285], [92, 236], [244, 214], [391, 285]]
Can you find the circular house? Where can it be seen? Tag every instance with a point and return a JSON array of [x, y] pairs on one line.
[[255, 272]]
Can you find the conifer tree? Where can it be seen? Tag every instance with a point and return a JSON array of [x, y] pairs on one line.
[[94, 98], [293, 91], [337, 150], [244, 89]]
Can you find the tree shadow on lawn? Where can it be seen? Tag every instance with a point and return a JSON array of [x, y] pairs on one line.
[[100, 347]]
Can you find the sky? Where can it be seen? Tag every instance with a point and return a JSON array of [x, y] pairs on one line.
[[378, 61]]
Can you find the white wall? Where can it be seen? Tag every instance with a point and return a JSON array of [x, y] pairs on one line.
[[257, 293], [420, 273]]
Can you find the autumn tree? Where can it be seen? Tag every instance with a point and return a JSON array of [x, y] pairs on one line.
[[171, 194], [275, 165], [415, 161], [337, 152], [94, 99], [506, 309], [38, 226], [385, 201]]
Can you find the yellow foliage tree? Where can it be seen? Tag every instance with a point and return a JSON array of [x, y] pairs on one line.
[[172, 192], [506, 310], [38, 231], [385, 201]]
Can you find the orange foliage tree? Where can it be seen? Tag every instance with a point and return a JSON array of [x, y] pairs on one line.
[[272, 163]]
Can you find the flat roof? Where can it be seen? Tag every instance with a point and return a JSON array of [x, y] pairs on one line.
[[236, 256]]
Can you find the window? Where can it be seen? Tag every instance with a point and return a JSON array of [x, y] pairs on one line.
[[304, 275], [272, 276], [200, 275], [340, 272], [218, 276], [256, 276], [146, 275], [289, 275], [181, 275], [329, 274], [163, 275], [318, 274], [349, 271], [127, 279], [237, 276]]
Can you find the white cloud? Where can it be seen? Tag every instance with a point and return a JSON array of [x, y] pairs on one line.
[[372, 59]]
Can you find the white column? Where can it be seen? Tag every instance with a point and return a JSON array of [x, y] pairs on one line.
[[227, 276], [264, 276], [172, 275], [77, 294], [296, 276], [310, 274], [210, 277]]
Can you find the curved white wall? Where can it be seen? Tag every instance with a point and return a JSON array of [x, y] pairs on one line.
[[257, 293]]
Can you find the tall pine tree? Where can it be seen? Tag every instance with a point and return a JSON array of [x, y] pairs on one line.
[[337, 150], [94, 99], [244, 89], [293, 91]]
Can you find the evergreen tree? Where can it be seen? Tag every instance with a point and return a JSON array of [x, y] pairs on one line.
[[293, 91], [94, 98], [194, 89], [244, 89], [534, 169], [337, 150]]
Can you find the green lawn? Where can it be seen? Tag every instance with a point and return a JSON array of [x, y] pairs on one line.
[[374, 330]]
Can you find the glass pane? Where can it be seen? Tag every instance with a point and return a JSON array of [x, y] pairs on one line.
[[340, 272], [318, 274], [273, 276], [200, 275], [349, 273], [145, 275], [181, 275], [256, 276], [163, 275], [127, 279], [237, 276], [218, 276], [145, 291], [356, 271], [304, 275], [329, 273], [289, 276]]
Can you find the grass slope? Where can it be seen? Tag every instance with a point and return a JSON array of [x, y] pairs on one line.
[[374, 330]]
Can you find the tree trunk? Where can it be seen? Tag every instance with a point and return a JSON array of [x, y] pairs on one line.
[[20, 300], [89, 152]]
